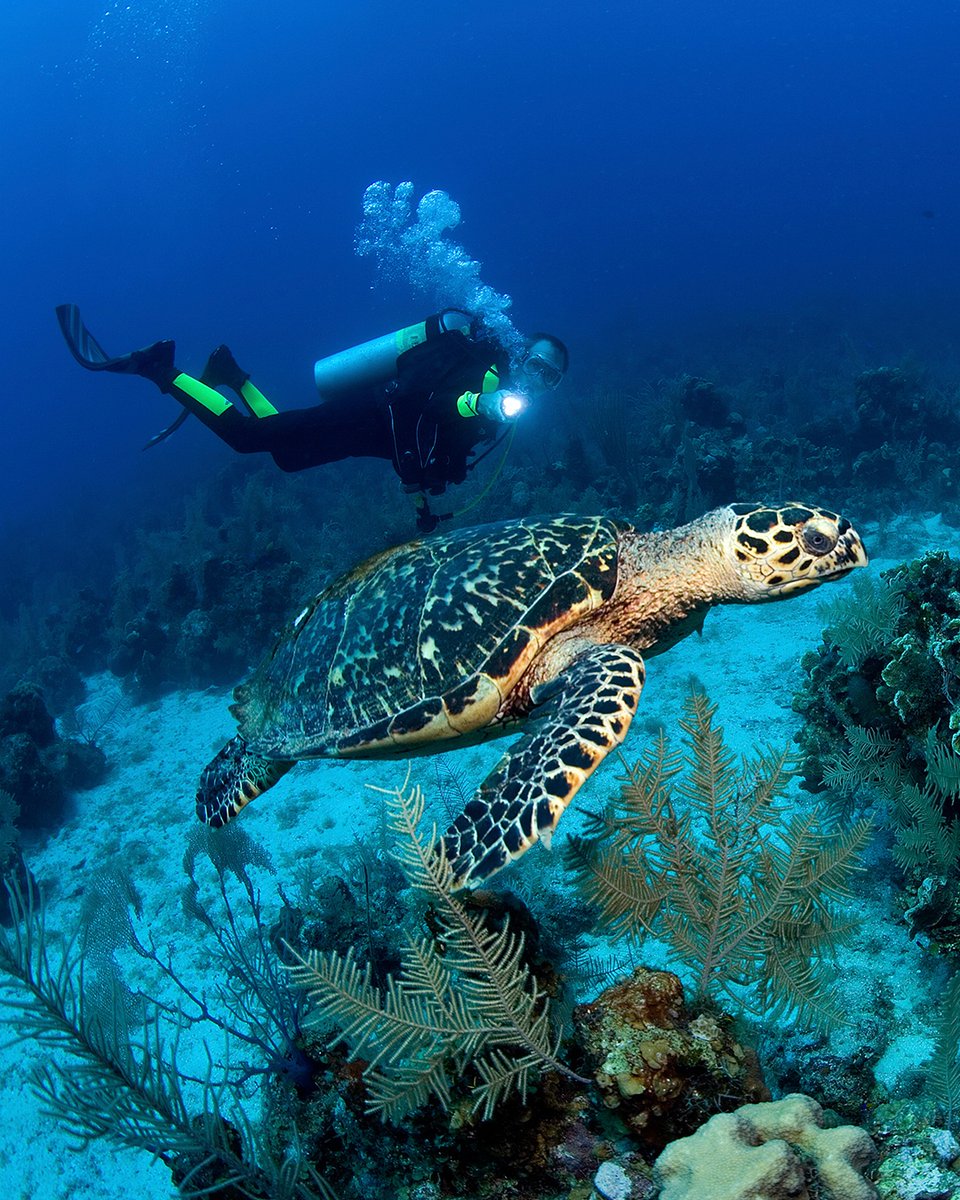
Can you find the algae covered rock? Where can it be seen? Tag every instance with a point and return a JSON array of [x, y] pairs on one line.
[[919, 1159], [778, 1150], [659, 1064]]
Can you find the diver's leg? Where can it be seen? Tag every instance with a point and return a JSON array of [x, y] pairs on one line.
[[297, 439], [344, 428], [340, 428], [156, 363], [245, 434]]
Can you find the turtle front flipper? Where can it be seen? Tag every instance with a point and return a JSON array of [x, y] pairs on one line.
[[232, 779], [578, 718]]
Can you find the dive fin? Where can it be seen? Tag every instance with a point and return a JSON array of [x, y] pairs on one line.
[[165, 433], [83, 345], [153, 362]]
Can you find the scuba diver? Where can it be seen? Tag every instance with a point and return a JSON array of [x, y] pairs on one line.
[[425, 398]]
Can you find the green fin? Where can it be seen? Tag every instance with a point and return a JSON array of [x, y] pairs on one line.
[[256, 401]]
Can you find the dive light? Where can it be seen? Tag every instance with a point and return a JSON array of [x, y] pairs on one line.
[[512, 404]]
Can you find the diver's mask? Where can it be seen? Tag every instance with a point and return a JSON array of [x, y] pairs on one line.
[[539, 375]]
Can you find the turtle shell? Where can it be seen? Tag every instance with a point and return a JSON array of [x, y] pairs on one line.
[[424, 642]]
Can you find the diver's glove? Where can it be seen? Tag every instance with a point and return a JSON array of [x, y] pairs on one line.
[[501, 405]]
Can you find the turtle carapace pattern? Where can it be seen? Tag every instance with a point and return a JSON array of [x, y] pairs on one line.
[[535, 626]]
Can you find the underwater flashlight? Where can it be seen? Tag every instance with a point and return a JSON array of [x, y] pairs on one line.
[[511, 405]]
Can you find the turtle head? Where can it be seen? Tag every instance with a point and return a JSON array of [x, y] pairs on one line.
[[780, 550]]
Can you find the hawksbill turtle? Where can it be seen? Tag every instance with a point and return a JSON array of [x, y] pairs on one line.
[[539, 626]]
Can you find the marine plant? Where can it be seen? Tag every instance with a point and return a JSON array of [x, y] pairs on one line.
[[123, 1080], [261, 1011], [943, 1074], [97, 720], [927, 838], [464, 1003], [926, 829], [862, 625], [701, 852]]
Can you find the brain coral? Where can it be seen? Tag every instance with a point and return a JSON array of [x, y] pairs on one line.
[[753, 1153]]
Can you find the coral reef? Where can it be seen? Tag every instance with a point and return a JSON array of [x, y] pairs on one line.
[[314, 1127], [683, 443], [193, 596], [889, 663], [881, 710], [918, 1160], [844, 1083], [765, 1150], [39, 768]]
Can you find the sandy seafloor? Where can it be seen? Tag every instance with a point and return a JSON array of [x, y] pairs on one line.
[[748, 660]]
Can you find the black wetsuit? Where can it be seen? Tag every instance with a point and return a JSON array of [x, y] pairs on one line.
[[413, 421]]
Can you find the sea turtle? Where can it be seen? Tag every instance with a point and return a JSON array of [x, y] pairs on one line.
[[533, 624]]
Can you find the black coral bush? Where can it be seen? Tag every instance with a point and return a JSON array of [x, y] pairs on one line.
[[699, 851], [464, 1005]]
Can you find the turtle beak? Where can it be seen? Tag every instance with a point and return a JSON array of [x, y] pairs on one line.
[[848, 554]]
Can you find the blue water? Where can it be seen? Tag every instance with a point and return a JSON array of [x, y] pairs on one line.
[[195, 170]]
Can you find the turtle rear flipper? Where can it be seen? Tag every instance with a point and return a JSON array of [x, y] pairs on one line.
[[232, 779], [580, 716]]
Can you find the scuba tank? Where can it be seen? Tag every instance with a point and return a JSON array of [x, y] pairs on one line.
[[375, 361]]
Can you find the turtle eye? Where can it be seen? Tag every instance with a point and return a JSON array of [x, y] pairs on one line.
[[819, 537]]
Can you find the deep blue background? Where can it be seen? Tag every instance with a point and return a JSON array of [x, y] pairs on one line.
[[196, 170]]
